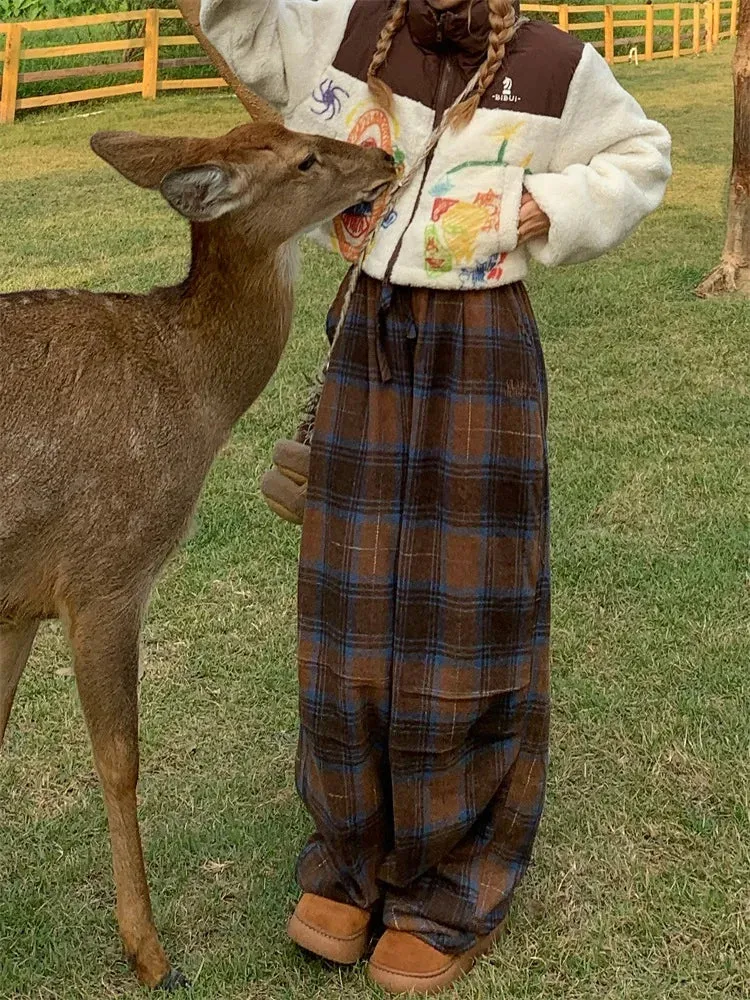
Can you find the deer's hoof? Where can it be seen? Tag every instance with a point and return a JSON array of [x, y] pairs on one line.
[[174, 980]]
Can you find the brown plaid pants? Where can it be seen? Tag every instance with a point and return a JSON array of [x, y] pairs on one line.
[[424, 610]]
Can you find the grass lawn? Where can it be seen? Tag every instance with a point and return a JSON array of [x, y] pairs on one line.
[[641, 885]]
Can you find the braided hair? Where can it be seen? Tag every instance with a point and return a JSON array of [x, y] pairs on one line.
[[502, 14], [396, 20], [502, 29]]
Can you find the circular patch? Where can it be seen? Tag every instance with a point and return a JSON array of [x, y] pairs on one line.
[[352, 228]]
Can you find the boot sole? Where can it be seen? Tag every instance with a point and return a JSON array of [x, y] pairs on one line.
[[343, 951]]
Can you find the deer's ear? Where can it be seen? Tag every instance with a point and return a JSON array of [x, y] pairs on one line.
[[206, 191], [143, 159]]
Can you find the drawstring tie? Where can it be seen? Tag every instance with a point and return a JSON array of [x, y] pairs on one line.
[[379, 334], [378, 338]]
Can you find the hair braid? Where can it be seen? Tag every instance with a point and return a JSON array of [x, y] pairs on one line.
[[502, 28], [396, 20]]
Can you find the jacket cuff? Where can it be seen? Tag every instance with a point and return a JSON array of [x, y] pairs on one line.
[[572, 238]]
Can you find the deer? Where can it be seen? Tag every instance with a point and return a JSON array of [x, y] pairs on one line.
[[113, 408]]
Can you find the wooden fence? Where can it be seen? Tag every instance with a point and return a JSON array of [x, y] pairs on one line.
[[150, 44], [666, 30]]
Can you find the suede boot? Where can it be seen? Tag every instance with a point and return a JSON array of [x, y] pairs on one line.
[[331, 930], [404, 963]]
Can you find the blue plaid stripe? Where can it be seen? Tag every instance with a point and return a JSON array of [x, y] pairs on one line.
[[424, 610]]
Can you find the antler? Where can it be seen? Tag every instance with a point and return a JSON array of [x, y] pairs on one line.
[[258, 109]]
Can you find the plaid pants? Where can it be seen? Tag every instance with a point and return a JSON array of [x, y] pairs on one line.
[[424, 610]]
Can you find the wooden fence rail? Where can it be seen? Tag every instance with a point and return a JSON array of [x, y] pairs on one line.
[[667, 30]]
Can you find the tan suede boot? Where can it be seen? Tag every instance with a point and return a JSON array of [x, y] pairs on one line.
[[334, 931], [404, 963], [284, 487]]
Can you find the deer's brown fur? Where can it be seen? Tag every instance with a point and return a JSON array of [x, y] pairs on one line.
[[112, 409]]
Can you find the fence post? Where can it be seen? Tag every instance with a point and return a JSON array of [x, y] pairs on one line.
[[649, 32], [733, 18], [676, 31], [717, 20], [563, 17], [151, 55], [609, 33], [11, 67], [696, 29], [708, 18]]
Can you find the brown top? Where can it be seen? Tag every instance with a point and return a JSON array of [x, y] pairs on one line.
[[540, 62]]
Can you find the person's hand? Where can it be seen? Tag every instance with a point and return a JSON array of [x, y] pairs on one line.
[[532, 222]]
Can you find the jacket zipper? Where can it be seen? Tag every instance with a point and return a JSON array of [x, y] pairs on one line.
[[441, 102]]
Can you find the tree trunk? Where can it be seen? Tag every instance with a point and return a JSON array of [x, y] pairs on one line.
[[733, 273]]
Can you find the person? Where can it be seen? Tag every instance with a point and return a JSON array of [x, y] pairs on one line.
[[424, 580]]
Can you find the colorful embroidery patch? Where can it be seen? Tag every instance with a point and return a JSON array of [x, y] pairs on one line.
[[437, 257], [441, 206], [484, 270], [452, 235], [389, 219], [372, 128], [444, 185]]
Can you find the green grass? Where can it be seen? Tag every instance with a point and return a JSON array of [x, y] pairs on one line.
[[639, 890]]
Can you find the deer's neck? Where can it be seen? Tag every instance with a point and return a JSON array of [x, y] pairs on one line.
[[234, 311]]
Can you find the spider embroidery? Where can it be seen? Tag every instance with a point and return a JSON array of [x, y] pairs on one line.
[[327, 95]]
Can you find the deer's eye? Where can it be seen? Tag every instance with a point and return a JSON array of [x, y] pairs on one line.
[[308, 162]]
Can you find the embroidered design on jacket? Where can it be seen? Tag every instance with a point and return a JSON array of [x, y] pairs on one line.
[[484, 270], [327, 95], [373, 127], [452, 238], [503, 136], [452, 234], [499, 160]]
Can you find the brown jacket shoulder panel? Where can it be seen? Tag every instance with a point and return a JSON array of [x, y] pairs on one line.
[[534, 79], [366, 21], [409, 70], [537, 72]]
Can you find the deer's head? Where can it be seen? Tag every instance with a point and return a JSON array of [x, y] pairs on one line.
[[270, 182]]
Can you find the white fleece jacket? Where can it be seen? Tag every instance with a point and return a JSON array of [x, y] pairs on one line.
[[597, 170]]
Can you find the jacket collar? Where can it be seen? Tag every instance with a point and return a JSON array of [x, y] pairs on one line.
[[462, 31]]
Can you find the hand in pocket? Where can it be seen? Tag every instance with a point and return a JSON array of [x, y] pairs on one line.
[[532, 222]]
